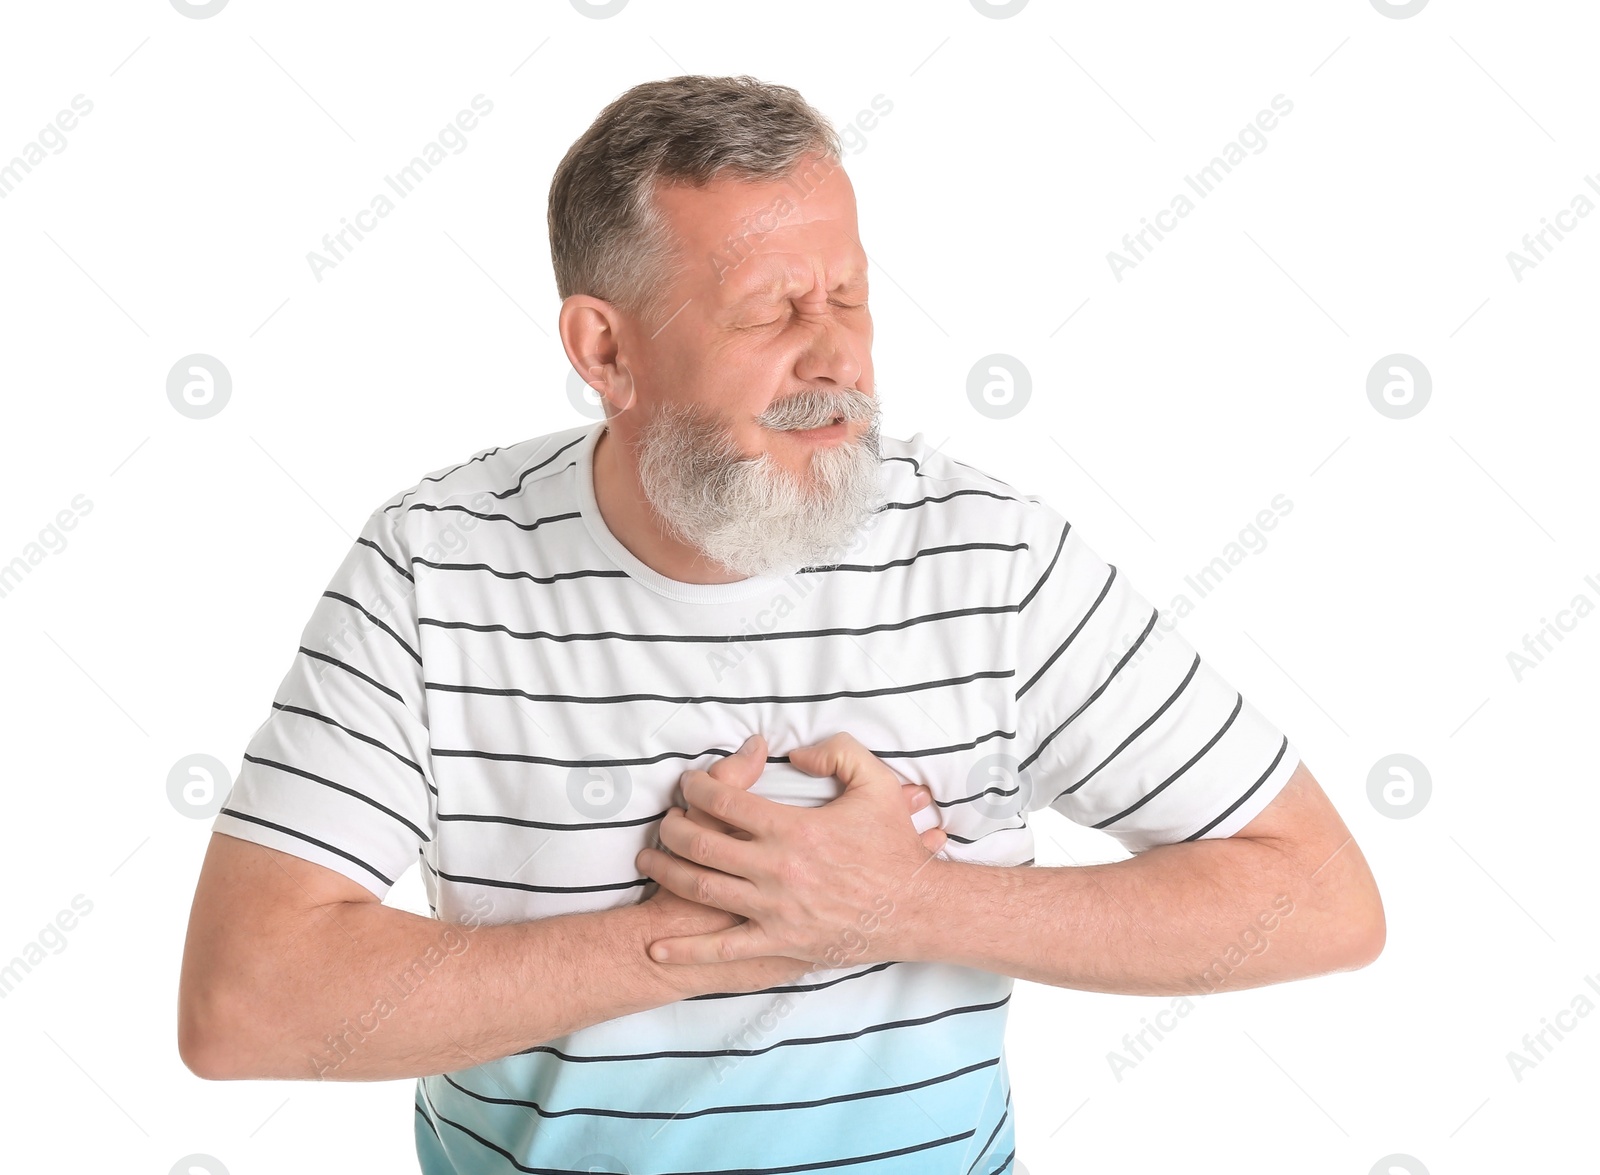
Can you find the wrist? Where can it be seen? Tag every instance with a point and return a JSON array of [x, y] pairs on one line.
[[640, 929], [915, 928]]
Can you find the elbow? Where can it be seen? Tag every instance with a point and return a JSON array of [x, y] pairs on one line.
[[1377, 932], [230, 1037], [1350, 931], [1369, 929], [204, 1049]]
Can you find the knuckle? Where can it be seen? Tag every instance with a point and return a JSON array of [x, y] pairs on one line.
[[792, 873], [702, 890], [699, 847]]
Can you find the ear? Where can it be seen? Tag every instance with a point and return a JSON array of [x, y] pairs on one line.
[[589, 333]]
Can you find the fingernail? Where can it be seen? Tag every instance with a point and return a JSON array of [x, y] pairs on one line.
[[745, 746]]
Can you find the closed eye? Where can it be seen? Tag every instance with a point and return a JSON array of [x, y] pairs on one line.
[[776, 321]]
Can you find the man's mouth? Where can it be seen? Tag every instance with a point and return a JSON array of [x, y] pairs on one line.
[[834, 430]]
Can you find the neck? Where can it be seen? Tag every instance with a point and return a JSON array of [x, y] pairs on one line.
[[635, 523]]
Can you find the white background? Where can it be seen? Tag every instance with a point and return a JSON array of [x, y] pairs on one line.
[[1168, 408]]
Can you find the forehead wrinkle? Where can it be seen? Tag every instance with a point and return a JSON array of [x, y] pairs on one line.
[[767, 286], [771, 283]]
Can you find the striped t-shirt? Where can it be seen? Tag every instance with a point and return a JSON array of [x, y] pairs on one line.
[[494, 685]]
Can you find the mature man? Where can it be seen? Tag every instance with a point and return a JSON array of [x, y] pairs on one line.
[[671, 682]]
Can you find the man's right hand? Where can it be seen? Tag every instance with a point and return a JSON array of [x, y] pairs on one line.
[[672, 916], [669, 916]]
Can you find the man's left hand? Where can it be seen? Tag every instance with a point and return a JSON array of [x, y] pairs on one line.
[[834, 884]]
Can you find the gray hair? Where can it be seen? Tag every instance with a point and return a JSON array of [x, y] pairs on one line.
[[608, 239]]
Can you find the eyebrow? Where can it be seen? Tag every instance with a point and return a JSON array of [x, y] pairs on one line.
[[769, 288]]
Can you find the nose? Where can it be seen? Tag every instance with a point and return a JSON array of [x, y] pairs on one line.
[[830, 357]]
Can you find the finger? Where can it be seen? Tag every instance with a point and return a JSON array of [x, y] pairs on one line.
[[693, 842], [717, 946], [841, 755], [696, 883], [934, 839], [745, 765], [731, 804], [917, 795], [706, 820]]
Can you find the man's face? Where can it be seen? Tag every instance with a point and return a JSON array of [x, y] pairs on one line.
[[764, 344]]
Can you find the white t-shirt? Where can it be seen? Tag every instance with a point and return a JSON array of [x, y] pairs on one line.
[[493, 685]]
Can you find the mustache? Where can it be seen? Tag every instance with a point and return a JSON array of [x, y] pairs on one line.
[[817, 408]]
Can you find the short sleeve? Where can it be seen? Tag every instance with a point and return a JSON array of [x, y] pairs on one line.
[[1121, 725], [339, 773]]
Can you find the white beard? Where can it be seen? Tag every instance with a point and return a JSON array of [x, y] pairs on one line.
[[749, 514]]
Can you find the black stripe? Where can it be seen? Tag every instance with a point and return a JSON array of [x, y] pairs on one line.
[[911, 461], [495, 883], [1054, 559], [433, 1110], [801, 988], [517, 489], [366, 542], [816, 570], [352, 669], [725, 639], [424, 1115], [518, 822], [1193, 759], [534, 525], [826, 567], [347, 600], [679, 1114], [366, 738], [1228, 811], [445, 474], [995, 791], [1140, 729], [528, 575], [944, 498], [550, 761], [553, 762], [706, 698], [813, 1166], [1099, 689], [799, 1040], [1071, 636], [349, 791], [1005, 1115], [321, 844]]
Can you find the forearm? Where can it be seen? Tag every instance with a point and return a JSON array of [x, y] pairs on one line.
[[366, 992], [1184, 918]]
